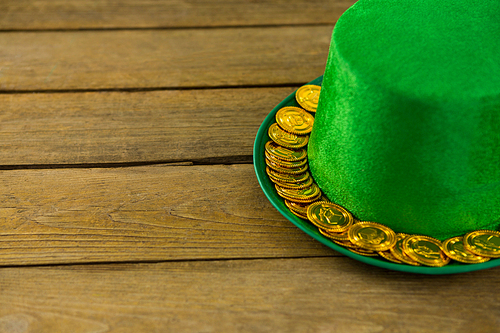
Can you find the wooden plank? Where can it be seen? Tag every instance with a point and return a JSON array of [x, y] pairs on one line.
[[122, 127], [162, 58], [293, 295], [97, 14], [142, 214]]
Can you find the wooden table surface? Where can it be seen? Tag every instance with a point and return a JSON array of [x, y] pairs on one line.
[[128, 197]]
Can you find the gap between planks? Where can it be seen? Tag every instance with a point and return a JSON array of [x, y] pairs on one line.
[[153, 89], [100, 129], [152, 262], [140, 59], [160, 28], [142, 214], [125, 14], [226, 160]]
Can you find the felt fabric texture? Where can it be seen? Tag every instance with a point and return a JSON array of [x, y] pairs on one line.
[[407, 131]]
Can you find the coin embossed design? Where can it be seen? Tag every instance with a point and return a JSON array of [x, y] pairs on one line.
[[484, 243], [308, 96], [285, 139], [295, 120], [372, 236], [329, 216], [425, 250], [454, 248]]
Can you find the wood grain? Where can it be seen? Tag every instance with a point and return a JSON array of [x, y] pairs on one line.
[[122, 127], [166, 59], [282, 295], [142, 214], [96, 14]]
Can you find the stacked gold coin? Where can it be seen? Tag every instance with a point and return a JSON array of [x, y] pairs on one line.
[[286, 160]]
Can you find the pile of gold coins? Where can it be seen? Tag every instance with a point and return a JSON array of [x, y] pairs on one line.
[[287, 167]]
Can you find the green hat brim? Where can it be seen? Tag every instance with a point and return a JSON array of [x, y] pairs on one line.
[[270, 192]]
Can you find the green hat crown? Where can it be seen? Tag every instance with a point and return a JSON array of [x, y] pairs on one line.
[[407, 131]]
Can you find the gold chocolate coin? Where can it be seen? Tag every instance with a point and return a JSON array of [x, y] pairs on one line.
[[302, 216], [364, 252], [285, 154], [295, 120], [340, 236], [399, 254], [425, 250], [287, 177], [295, 186], [345, 243], [307, 200], [372, 236], [484, 243], [303, 195], [454, 248], [281, 169], [285, 139], [297, 207], [329, 216], [389, 256], [285, 164], [308, 96]]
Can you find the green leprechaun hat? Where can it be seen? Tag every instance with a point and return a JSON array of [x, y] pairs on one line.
[[406, 134], [407, 131]]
